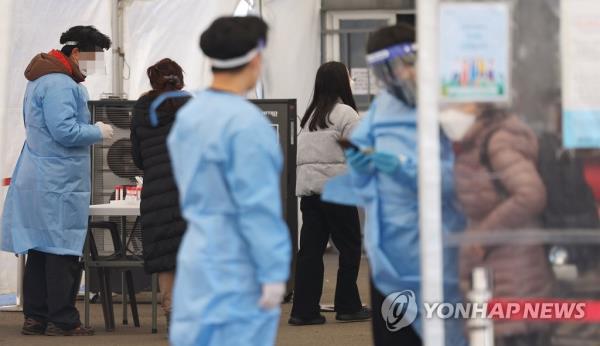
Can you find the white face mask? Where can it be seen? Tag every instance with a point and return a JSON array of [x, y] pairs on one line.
[[92, 63], [456, 123]]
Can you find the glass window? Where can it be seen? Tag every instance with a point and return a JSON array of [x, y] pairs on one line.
[[345, 40]]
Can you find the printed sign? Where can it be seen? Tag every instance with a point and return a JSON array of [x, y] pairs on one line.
[[474, 52], [580, 48]]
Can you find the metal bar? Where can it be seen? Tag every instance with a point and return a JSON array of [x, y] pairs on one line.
[[20, 275], [124, 254], [526, 237], [324, 46], [154, 303], [117, 264], [481, 330], [347, 31], [349, 6], [132, 299], [86, 268], [124, 297], [117, 42], [18, 307], [348, 49], [430, 213]]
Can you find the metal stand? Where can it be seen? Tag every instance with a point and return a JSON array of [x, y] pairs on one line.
[[124, 254], [18, 307], [481, 329], [122, 263], [154, 303], [86, 292]]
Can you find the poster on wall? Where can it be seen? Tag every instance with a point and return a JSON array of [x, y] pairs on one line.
[[474, 52], [580, 50], [364, 83]]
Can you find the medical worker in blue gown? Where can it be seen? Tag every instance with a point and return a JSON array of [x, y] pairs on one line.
[[46, 209], [383, 178], [235, 257]]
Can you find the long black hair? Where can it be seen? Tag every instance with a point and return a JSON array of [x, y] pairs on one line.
[[332, 84]]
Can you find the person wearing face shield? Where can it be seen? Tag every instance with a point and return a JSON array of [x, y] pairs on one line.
[[235, 256], [383, 178], [46, 209]]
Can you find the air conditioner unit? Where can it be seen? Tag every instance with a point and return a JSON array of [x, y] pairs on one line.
[[112, 165]]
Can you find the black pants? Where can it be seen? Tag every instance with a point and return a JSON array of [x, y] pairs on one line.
[[381, 335], [50, 287], [319, 221]]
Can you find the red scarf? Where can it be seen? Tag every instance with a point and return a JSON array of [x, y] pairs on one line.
[[61, 57]]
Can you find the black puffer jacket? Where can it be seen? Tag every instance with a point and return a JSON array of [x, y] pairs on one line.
[[162, 224]]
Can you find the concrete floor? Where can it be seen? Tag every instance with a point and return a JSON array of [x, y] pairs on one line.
[[331, 334]]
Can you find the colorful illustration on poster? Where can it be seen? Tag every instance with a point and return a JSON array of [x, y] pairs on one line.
[[474, 52]]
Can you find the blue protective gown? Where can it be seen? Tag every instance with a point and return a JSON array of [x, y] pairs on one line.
[[391, 203], [47, 204], [227, 164]]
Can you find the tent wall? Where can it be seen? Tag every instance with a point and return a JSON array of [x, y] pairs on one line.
[[293, 52], [291, 59], [153, 29], [36, 27], [168, 29], [7, 261]]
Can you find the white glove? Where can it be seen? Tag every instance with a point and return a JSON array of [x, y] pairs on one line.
[[106, 130], [272, 295]]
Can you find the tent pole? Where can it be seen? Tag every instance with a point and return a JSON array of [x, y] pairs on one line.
[[260, 88], [117, 47], [430, 211]]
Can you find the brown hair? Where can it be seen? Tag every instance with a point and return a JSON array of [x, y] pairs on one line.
[[165, 75]]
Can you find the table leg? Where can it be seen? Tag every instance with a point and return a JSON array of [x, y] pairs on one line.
[[86, 297], [124, 254], [154, 303]]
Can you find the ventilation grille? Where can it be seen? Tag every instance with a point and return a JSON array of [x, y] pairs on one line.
[[112, 165]]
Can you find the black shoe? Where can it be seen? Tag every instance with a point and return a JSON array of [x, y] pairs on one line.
[[33, 327], [363, 314], [54, 330], [296, 321]]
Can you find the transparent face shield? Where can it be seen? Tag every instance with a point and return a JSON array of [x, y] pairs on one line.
[[92, 63], [394, 67]]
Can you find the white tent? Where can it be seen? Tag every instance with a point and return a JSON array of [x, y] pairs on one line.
[[539, 45], [152, 29]]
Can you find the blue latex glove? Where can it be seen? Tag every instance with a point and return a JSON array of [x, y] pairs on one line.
[[358, 160], [386, 163]]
